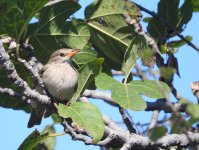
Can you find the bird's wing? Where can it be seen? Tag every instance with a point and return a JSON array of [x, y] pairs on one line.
[[43, 69]]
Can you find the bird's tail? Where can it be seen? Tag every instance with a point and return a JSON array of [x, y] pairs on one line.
[[36, 116]]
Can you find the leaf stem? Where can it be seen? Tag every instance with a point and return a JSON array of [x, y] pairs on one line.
[[57, 134]]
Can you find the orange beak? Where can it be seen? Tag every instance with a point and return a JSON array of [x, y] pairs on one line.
[[72, 53]]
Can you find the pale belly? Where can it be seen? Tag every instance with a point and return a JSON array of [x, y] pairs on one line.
[[60, 81]]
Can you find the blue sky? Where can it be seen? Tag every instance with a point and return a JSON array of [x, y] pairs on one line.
[[13, 126]]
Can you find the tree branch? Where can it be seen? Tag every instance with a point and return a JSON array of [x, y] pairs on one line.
[[14, 77], [154, 119], [114, 138], [139, 30], [9, 92], [34, 73], [126, 120]]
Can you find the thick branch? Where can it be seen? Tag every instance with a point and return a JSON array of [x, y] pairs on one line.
[[14, 77], [116, 138]]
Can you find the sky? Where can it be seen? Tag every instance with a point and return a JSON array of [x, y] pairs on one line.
[[13, 127]]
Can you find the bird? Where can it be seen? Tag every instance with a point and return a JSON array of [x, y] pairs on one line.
[[60, 79]]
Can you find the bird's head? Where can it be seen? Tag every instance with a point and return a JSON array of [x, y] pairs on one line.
[[63, 55]]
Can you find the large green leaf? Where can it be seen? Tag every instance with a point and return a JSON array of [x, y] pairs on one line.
[[123, 94], [167, 10], [52, 31], [128, 95], [86, 116], [151, 88], [32, 140], [85, 56], [87, 74], [101, 8], [138, 43], [16, 14], [156, 28], [186, 11], [110, 34], [129, 61]]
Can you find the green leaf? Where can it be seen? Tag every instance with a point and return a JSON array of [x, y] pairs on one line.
[[87, 74], [130, 56], [32, 140], [179, 43], [179, 124], [168, 10], [167, 73], [86, 116], [147, 19], [16, 15], [86, 55], [173, 62], [110, 34], [129, 95], [151, 88], [157, 132], [156, 28], [193, 110], [129, 60], [52, 31], [195, 5], [101, 8], [148, 58], [56, 118], [186, 11], [49, 142]]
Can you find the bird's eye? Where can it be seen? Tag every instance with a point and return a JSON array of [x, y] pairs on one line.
[[61, 54]]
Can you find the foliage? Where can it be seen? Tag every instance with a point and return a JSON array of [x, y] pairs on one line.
[[107, 42]]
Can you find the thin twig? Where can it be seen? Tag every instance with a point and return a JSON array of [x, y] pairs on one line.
[[175, 93], [9, 92], [154, 119], [126, 120], [34, 73]]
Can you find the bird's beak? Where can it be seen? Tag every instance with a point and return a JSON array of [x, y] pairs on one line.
[[71, 54]]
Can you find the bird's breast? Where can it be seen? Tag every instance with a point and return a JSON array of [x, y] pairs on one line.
[[60, 80]]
